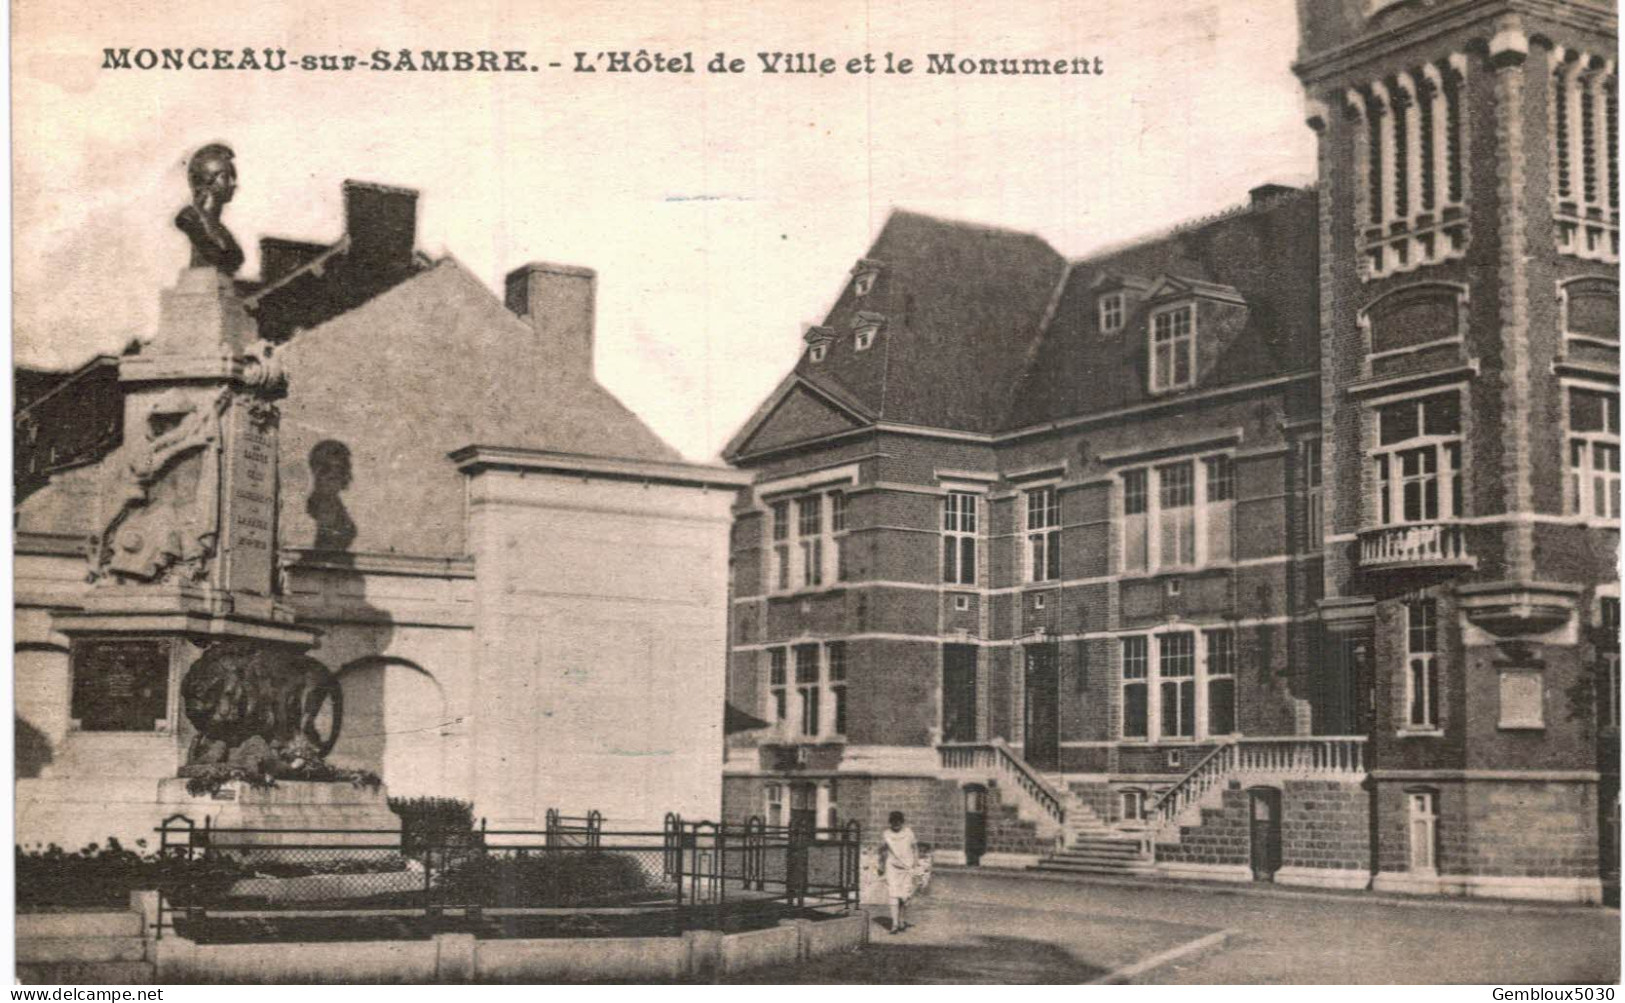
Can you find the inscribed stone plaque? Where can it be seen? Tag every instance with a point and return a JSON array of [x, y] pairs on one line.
[[250, 505], [120, 685]]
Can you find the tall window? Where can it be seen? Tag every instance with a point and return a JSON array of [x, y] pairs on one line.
[[1136, 672], [808, 694], [1173, 348], [810, 527], [1179, 684], [1178, 515], [1176, 523], [1309, 486], [819, 552], [1422, 683], [773, 804], [1136, 538], [1593, 486], [1177, 668], [837, 526], [781, 545], [1418, 460], [1221, 682], [1424, 824], [835, 659], [1111, 313], [1043, 535], [959, 538], [1608, 663], [778, 684], [1220, 490]]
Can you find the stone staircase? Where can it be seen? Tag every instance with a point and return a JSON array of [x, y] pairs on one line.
[[1090, 846], [83, 948]]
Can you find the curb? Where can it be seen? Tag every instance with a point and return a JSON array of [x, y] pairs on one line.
[[1280, 892], [1122, 976]]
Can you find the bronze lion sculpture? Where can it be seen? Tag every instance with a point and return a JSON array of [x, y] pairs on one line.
[[242, 691]]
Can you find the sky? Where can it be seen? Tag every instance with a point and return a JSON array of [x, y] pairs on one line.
[[721, 211]]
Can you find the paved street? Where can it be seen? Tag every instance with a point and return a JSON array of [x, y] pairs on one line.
[[991, 928]]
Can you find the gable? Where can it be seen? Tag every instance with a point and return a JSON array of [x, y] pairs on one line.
[[800, 416]]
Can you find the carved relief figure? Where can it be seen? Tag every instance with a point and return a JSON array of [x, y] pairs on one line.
[[166, 521], [259, 706], [213, 179]]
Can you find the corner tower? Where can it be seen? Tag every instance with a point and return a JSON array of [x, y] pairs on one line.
[[1469, 229]]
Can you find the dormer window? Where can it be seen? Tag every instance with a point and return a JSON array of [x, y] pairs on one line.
[[864, 329], [864, 275], [818, 339], [1173, 348], [1111, 313]]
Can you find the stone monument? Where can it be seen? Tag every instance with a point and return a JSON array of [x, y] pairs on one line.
[[185, 629]]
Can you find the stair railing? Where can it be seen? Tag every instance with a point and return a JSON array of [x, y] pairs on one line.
[[1211, 769], [996, 756]]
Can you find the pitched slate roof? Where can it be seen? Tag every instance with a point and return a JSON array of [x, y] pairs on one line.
[[1268, 254], [961, 302], [991, 330]]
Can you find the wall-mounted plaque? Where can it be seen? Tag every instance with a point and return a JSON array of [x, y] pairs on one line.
[[121, 685]]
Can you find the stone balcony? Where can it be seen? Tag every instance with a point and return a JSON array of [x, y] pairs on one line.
[[1416, 545]]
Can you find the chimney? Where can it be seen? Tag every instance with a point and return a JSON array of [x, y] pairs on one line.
[[1263, 195], [280, 257], [558, 301], [381, 223]]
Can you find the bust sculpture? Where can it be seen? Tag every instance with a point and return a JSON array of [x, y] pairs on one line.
[[213, 180]]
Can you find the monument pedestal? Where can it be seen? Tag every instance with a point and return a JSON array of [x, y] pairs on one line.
[[301, 805]]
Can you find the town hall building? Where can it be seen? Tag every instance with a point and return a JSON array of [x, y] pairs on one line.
[[1281, 546]]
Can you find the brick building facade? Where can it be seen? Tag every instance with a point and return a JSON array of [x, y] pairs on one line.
[[1280, 545]]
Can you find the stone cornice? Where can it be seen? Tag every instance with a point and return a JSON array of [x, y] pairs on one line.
[[1316, 67]]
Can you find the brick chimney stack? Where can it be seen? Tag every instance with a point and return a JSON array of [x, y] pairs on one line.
[[559, 302], [381, 222]]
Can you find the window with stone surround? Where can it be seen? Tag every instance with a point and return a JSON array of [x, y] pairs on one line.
[[1410, 133], [837, 528], [780, 574], [1178, 685], [1608, 662], [835, 665], [1221, 681], [959, 538], [1173, 348], [1311, 495], [1583, 109], [1423, 819], [808, 541], [1178, 515], [1136, 687], [1176, 668], [1111, 313], [1043, 507], [1422, 666], [778, 692], [1417, 460], [1593, 454], [809, 694], [773, 805], [1132, 802]]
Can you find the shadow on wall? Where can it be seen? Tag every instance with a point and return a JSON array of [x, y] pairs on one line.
[[396, 724], [330, 475], [32, 748]]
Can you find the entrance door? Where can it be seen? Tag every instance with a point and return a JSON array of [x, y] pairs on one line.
[[975, 825], [1043, 733], [1266, 832], [958, 693]]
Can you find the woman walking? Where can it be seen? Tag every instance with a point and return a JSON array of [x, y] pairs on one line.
[[899, 862]]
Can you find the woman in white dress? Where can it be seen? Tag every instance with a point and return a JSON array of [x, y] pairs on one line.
[[899, 862]]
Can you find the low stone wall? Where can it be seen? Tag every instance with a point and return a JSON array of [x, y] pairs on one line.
[[462, 958]]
